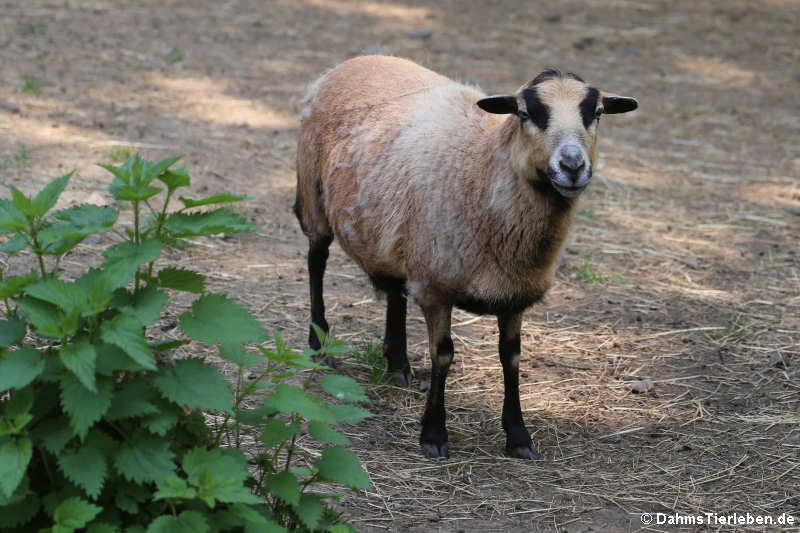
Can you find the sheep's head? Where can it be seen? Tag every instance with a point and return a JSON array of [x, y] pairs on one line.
[[558, 116]]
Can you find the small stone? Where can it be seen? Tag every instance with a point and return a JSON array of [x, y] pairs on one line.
[[776, 360], [421, 33], [10, 107], [691, 262], [96, 199], [640, 386]]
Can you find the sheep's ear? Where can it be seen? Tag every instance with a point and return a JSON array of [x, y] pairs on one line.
[[502, 104], [618, 104]]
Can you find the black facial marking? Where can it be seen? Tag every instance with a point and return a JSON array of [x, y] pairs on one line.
[[588, 106], [552, 74], [538, 111]]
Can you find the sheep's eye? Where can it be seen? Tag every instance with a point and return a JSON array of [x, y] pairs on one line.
[[523, 115]]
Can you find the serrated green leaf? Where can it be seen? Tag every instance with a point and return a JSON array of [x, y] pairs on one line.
[[144, 458], [285, 486], [132, 192], [324, 433], [20, 367], [221, 220], [175, 178], [236, 353], [167, 345], [216, 319], [342, 466], [86, 467], [47, 198], [127, 251], [20, 512], [193, 383], [186, 522], [68, 296], [53, 433], [129, 496], [254, 417], [348, 414], [111, 359], [180, 279], [13, 286], [45, 317], [126, 332], [14, 426], [22, 203], [163, 421], [219, 475], [291, 399], [85, 407], [75, 513], [174, 487], [309, 510], [20, 402], [247, 513], [19, 494], [134, 398], [154, 170], [343, 388], [216, 199], [15, 244], [11, 218], [79, 358], [12, 331], [122, 172], [75, 224], [147, 306], [92, 218], [15, 454]]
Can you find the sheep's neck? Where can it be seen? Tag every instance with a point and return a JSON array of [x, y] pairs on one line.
[[530, 220]]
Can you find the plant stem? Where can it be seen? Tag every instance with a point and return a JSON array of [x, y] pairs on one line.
[[37, 248], [46, 466]]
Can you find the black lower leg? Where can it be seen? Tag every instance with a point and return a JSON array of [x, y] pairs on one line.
[[394, 341], [518, 440], [434, 432], [317, 258]]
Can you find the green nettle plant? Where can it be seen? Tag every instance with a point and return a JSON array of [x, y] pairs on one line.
[[102, 429]]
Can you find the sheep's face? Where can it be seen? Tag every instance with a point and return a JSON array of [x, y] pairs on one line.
[[557, 137]]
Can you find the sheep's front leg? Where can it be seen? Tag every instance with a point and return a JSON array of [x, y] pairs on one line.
[[518, 440], [394, 341], [434, 434]]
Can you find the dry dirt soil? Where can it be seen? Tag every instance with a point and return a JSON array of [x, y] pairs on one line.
[[682, 268]]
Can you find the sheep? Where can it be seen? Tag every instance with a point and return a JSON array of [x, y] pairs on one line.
[[446, 196]]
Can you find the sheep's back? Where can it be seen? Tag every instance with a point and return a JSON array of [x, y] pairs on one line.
[[395, 142]]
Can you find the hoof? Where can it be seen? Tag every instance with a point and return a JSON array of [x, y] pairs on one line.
[[400, 378], [435, 451], [523, 452]]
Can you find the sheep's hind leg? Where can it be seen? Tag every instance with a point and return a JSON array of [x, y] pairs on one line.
[[434, 433], [518, 440], [317, 259], [394, 341]]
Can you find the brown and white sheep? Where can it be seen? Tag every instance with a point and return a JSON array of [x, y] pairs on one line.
[[441, 198]]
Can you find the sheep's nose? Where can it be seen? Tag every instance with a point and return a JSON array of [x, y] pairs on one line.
[[571, 160]]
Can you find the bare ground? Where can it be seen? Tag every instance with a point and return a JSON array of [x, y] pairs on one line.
[[683, 267]]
